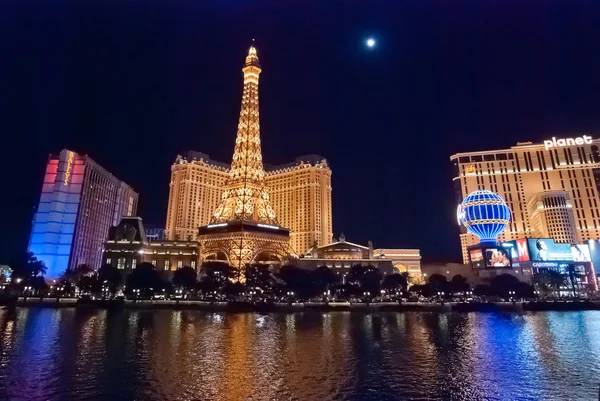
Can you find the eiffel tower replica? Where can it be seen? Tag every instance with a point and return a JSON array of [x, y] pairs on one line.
[[244, 228]]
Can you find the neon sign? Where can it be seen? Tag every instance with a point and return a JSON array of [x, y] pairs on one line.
[[469, 169], [69, 166], [586, 139]]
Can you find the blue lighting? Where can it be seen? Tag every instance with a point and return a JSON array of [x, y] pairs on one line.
[[484, 214]]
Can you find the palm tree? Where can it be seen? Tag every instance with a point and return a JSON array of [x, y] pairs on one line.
[[110, 275], [184, 277], [549, 281]]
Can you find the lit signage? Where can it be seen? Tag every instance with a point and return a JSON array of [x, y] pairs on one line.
[[216, 225], [469, 169], [460, 214], [497, 257], [586, 139], [476, 255], [546, 250], [523, 250], [268, 226], [69, 166]]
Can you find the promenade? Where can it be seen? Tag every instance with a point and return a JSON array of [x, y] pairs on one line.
[[309, 306]]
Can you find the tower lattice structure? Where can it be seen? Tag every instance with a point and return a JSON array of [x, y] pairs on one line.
[[245, 197], [244, 228]]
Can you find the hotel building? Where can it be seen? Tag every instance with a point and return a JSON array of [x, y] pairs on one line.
[[300, 194], [551, 188], [79, 202], [342, 255], [127, 245]]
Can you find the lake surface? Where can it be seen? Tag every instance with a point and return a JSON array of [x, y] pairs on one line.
[[70, 354]]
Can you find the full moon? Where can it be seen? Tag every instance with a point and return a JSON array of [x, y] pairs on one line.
[[370, 43]]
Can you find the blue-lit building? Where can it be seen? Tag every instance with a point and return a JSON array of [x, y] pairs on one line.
[[78, 204]]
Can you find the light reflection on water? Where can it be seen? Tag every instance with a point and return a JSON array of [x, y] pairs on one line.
[[185, 355]]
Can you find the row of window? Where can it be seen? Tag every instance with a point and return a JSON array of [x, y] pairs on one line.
[[121, 263]]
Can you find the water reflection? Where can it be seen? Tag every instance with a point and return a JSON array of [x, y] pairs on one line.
[[168, 355]]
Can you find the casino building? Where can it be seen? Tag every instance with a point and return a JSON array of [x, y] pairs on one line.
[[486, 215], [128, 245], [551, 188], [342, 255], [300, 194], [79, 202]]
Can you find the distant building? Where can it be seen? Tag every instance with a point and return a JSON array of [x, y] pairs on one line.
[[5, 271], [342, 255], [127, 246], [79, 202], [154, 234], [447, 270], [551, 188]]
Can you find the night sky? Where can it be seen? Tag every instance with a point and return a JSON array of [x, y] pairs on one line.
[[133, 83]]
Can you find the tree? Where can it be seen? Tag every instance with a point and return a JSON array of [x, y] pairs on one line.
[[502, 284], [570, 277], [259, 276], [394, 282], [84, 270], [438, 284], [524, 290], [144, 278], [110, 275], [421, 289], [39, 284], [299, 281], [548, 280], [368, 278], [89, 283], [324, 278], [217, 272], [184, 277], [25, 267], [233, 289], [459, 283], [407, 276], [483, 290]]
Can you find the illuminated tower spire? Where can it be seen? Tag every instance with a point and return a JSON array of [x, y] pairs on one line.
[[243, 228], [245, 197]]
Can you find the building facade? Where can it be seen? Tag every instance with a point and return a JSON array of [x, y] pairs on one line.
[[341, 255], [79, 202], [300, 194], [526, 176], [127, 246]]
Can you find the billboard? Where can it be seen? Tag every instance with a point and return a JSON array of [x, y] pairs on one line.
[[581, 253], [497, 257], [476, 256], [545, 249], [522, 250]]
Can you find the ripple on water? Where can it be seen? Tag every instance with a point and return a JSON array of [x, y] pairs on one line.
[[184, 355]]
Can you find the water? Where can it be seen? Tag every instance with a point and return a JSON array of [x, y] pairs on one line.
[[73, 354]]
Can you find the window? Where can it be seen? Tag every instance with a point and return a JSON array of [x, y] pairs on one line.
[[154, 262], [193, 264], [121, 263], [133, 263], [167, 265], [179, 264], [108, 261]]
